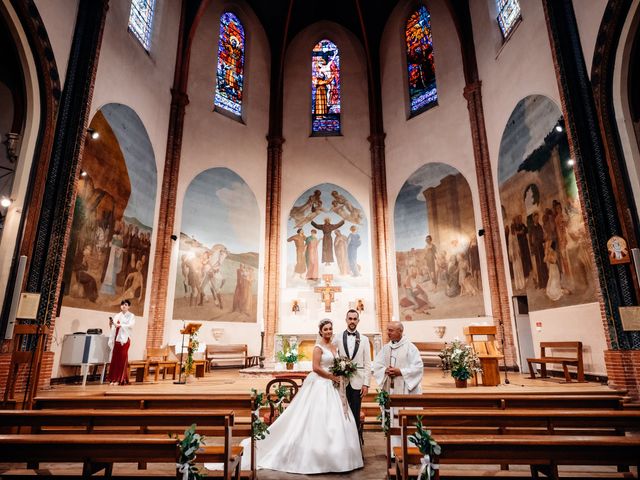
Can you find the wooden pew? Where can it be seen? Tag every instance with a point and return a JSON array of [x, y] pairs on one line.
[[241, 404], [430, 353], [610, 401], [543, 453], [129, 423], [475, 423], [95, 451], [565, 361], [230, 356]]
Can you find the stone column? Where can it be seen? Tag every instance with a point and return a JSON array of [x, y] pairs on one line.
[[166, 219], [380, 224], [597, 192], [492, 238], [272, 234]]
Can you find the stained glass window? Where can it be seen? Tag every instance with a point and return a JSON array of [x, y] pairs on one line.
[[508, 15], [325, 89], [141, 20], [230, 71], [420, 63]]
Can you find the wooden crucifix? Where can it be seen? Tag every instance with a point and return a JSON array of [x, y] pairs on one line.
[[327, 292]]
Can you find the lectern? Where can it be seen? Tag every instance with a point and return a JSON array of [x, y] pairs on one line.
[[189, 329], [487, 351]]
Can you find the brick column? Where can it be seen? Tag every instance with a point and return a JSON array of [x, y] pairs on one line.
[[493, 234], [166, 220], [272, 247], [380, 223]]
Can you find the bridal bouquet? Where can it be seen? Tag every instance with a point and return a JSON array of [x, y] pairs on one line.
[[343, 367]]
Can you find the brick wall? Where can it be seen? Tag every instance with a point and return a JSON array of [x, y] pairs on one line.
[[623, 368]]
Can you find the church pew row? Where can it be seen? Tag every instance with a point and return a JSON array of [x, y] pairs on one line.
[[497, 401], [96, 451], [514, 422], [240, 404], [543, 453]]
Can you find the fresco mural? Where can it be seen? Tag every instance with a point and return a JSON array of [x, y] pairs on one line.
[[327, 233], [437, 260], [108, 254], [547, 242], [217, 275]]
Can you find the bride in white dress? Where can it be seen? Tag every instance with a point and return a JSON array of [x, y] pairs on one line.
[[314, 434]]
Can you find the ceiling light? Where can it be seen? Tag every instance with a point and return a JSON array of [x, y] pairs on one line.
[[83, 173], [95, 135], [571, 162], [5, 202], [559, 128]]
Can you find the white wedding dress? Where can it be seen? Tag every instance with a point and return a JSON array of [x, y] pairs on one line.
[[313, 434]]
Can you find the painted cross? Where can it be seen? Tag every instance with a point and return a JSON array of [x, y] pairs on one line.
[[327, 292]]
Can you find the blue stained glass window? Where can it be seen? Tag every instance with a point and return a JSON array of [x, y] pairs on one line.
[[230, 71], [508, 15], [420, 62], [141, 20], [325, 89]]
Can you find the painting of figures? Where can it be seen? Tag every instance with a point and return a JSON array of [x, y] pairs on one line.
[[548, 246], [437, 261], [327, 233], [108, 254], [217, 274]]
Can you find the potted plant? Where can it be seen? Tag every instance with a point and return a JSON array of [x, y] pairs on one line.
[[462, 360], [289, 354]]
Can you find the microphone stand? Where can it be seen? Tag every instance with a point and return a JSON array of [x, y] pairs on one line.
[[504, 357], [180, 381]]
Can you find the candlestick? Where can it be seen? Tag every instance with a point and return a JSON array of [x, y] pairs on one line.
[[262, 349]]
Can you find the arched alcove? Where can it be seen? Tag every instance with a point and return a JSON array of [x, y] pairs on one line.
[[108, 253]]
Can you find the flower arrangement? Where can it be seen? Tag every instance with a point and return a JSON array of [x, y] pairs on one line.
[[189, 445], [343, 367], [382, 397], [461, 359], [428, 448], [289, 352], [189, 364]]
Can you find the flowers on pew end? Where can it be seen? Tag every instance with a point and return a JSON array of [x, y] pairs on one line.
[[463, 361], [382, 397], [429, 449], [189, 445], [289, 353], [259, 429]]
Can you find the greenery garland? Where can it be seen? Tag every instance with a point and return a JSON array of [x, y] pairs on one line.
[[428, 447], [382, 397], [194, 343], [259, 429], [189, 446]]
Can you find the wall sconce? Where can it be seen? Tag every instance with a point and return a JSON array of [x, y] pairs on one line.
[[5, 202], [93, 134]]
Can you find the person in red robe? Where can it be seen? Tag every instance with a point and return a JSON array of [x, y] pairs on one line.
[[119, 342]]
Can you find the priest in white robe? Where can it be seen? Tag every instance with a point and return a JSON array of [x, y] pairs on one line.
[[398, 369]]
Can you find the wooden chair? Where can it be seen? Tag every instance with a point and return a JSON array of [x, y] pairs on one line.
[[487, 350], [276, 405], [159, 360]]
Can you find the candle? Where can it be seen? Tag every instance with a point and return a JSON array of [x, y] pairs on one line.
[[261, 324]]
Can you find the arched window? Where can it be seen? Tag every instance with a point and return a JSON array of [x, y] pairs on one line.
[[508, 15], [141, 20], [420, 63], [230, 71], [325, 89]]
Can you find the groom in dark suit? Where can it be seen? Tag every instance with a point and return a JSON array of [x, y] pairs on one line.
[[356, 347]]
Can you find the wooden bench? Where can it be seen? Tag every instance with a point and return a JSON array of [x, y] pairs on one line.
[[98, 451], [130, 423], [565, 361], [229, 356], [430, 353], [543, 453], [241, 404], [609, 400]]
